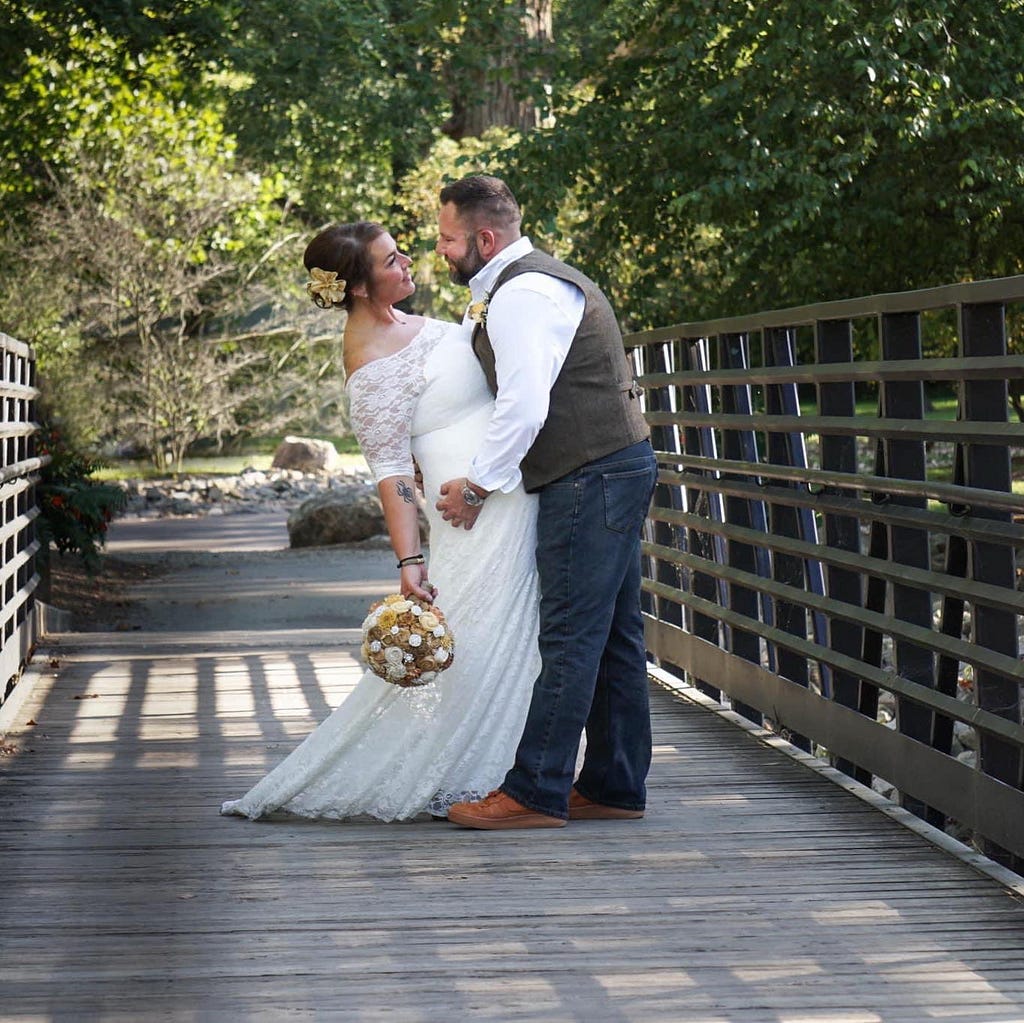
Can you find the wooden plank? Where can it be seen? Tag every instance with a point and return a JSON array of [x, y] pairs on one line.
[[754, 889]]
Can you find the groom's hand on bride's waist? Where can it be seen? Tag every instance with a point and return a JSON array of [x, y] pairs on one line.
[[460, 502]]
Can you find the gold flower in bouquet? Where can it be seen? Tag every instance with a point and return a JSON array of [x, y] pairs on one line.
[[406, 643]]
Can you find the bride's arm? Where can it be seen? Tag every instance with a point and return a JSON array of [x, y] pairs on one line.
[[380, 411], [401, 515]]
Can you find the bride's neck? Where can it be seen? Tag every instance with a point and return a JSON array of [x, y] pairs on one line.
[[367, 313]]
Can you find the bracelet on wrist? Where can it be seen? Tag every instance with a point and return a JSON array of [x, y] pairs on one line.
[[413, 559]]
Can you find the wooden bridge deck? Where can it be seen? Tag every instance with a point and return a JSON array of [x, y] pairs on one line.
[[755, 890]]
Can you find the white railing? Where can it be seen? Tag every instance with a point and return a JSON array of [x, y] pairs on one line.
[[19, 474]]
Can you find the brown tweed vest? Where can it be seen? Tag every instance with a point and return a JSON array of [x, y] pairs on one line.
[[594, 409]]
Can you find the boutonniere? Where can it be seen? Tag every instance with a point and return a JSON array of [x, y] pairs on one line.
[[478, 311]]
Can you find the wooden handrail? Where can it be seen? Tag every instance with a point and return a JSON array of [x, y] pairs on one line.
[[998, 290]]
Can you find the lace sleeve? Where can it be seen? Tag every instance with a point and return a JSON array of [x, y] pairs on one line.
[[381, 403]]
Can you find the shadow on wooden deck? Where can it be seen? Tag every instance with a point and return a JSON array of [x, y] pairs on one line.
[[754, 890]]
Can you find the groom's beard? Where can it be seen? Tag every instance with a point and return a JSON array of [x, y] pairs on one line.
[[461, 271]]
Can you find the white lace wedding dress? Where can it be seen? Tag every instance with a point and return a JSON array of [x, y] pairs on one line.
[[391, 752]]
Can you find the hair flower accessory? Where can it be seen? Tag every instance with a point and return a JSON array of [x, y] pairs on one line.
[[478, 311], [326, 289]]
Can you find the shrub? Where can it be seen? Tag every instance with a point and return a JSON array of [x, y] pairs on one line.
[[74, 509]]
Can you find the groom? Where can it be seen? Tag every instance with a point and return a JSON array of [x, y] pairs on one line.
[[568, 424]]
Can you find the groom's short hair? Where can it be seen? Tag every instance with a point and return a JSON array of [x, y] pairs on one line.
[[480, 197]]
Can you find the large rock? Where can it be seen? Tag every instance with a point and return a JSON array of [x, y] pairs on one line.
[[340, 515], [306, 454]]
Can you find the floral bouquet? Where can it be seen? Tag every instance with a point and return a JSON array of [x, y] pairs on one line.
[[406, 644]]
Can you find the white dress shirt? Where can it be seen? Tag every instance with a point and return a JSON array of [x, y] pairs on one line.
[[531, 322]]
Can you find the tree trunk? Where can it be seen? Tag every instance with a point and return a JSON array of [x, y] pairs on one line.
[[494, 91]]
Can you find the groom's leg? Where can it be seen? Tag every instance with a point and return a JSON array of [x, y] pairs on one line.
[[587, 546], [618, 728]]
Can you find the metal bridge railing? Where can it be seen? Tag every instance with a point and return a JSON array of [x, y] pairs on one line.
[[808, 554], [19, 473]]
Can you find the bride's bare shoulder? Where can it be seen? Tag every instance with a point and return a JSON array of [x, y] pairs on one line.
[[365, 343]]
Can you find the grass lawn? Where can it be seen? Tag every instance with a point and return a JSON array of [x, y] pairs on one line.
[[941, 408], [256, 453]]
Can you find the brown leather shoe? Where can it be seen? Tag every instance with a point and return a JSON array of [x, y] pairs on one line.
[[583, 809], [498, 812]]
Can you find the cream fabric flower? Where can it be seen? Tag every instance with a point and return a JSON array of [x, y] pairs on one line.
[[325, 288], [478, 311]]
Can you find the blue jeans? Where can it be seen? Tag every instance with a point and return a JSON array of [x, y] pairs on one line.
[[593, 658]]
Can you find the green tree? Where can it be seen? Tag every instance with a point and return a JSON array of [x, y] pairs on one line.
[[736, 155], [348, 103], [318, 91], [157, 276], [72, 70], [148, 285]]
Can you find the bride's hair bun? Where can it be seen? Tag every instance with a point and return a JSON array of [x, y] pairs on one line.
[[340, 250]]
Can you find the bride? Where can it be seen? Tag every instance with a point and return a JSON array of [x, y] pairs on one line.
[[416, 390]]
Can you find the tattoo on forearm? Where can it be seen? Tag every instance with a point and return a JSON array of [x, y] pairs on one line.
[[405, 492]]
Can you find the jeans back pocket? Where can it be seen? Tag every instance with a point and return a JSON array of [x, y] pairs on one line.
[[627, 496]]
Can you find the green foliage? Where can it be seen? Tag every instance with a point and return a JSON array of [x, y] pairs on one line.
[[737, 155], [161, 263], [163, 165], [141, 250], [193, 28], [32, 309], [74, 510], [349, 101], [313, 92], [76, 83], [414, 219]]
